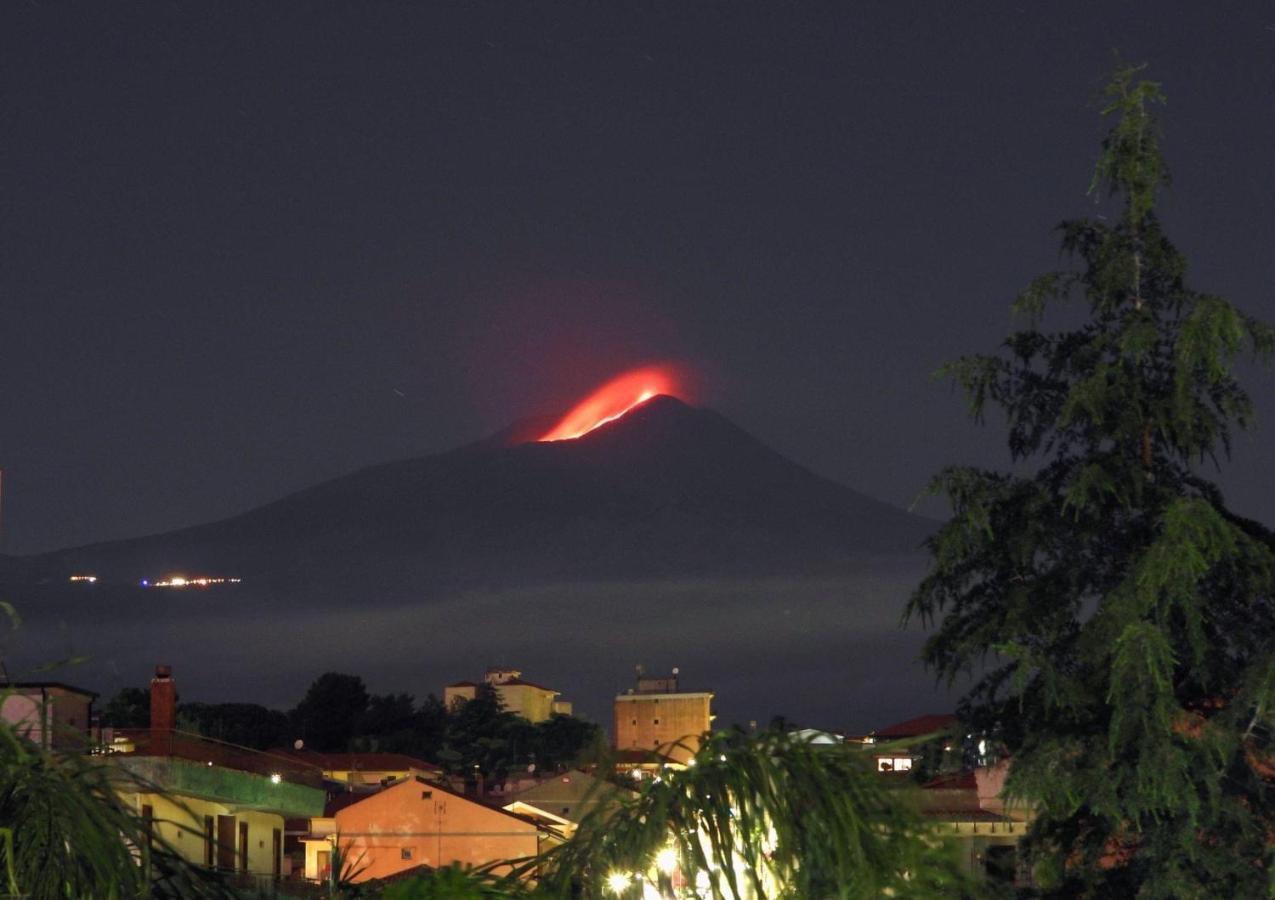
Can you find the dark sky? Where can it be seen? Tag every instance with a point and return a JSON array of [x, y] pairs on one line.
[[249, 247]]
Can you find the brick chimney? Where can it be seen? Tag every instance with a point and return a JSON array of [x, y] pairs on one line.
[[163, 701]]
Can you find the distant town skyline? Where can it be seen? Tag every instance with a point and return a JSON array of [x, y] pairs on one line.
[[244, 256]]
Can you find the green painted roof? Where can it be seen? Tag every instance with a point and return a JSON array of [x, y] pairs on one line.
[[182, 777]]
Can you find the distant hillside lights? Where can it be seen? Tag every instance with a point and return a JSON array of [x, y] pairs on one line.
[[181, 581], [168, 581]]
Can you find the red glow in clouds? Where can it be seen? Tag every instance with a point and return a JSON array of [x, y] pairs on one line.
[[612, 400]]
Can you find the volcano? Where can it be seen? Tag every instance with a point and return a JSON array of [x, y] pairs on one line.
[[665, 535], [664, 490]]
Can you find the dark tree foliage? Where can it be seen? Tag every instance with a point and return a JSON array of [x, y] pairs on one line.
[[481, 737], [1121, 618], [566, 741], [389, 714], [429, 728], [246, 724], [331, 712], [474, 738], [130, 708], [394, 724]]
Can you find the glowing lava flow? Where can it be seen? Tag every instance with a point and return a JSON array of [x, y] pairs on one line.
[[612, 400]]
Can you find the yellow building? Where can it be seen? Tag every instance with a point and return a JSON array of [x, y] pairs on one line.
[[533, 702], [220, 818], [656, 715], [218, 805]]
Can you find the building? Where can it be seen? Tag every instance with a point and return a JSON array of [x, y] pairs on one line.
[[969, 807], [819, 737], [559, 803], [413, 823], [657, 716], [49, 713], [908, 751], [364, 770], [218, 805], [533, 702]]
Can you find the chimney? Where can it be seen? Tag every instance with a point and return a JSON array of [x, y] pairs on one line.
[[163, 701]]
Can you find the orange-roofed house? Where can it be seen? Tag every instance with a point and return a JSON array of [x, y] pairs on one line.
[[901, 759], [412, 823], [968, 806]]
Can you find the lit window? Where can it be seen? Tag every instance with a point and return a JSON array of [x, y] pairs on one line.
[[894, 763]]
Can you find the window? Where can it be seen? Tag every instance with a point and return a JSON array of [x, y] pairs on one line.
[[209, 840], [405, 853], [894, 763], [243, 846], [656, 722]]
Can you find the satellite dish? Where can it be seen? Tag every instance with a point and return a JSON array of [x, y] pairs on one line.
[[298, 744]]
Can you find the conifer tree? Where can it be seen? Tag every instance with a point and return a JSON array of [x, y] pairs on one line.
[[1118, 619]]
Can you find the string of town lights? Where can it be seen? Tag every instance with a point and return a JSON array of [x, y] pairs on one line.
[[168, 581]]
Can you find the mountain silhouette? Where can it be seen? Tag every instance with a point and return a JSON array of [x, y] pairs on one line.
[[667, 490]]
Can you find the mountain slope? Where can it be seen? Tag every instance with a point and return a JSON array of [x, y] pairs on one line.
[[665, 491]]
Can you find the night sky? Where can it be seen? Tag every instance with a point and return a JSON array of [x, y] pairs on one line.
[[247, 247]]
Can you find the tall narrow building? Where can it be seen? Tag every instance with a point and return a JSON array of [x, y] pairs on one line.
[[657, 715]]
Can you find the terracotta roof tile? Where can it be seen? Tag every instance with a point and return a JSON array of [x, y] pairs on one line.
[[920, 725]]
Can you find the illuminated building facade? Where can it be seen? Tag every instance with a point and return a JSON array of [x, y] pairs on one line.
[[217, 805], [657, 715], [533, 702], [414, 823]]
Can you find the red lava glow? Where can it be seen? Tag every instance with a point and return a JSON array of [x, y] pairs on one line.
[[612, 400]]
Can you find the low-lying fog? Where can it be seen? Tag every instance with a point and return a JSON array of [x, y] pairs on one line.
[[828, 653]]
